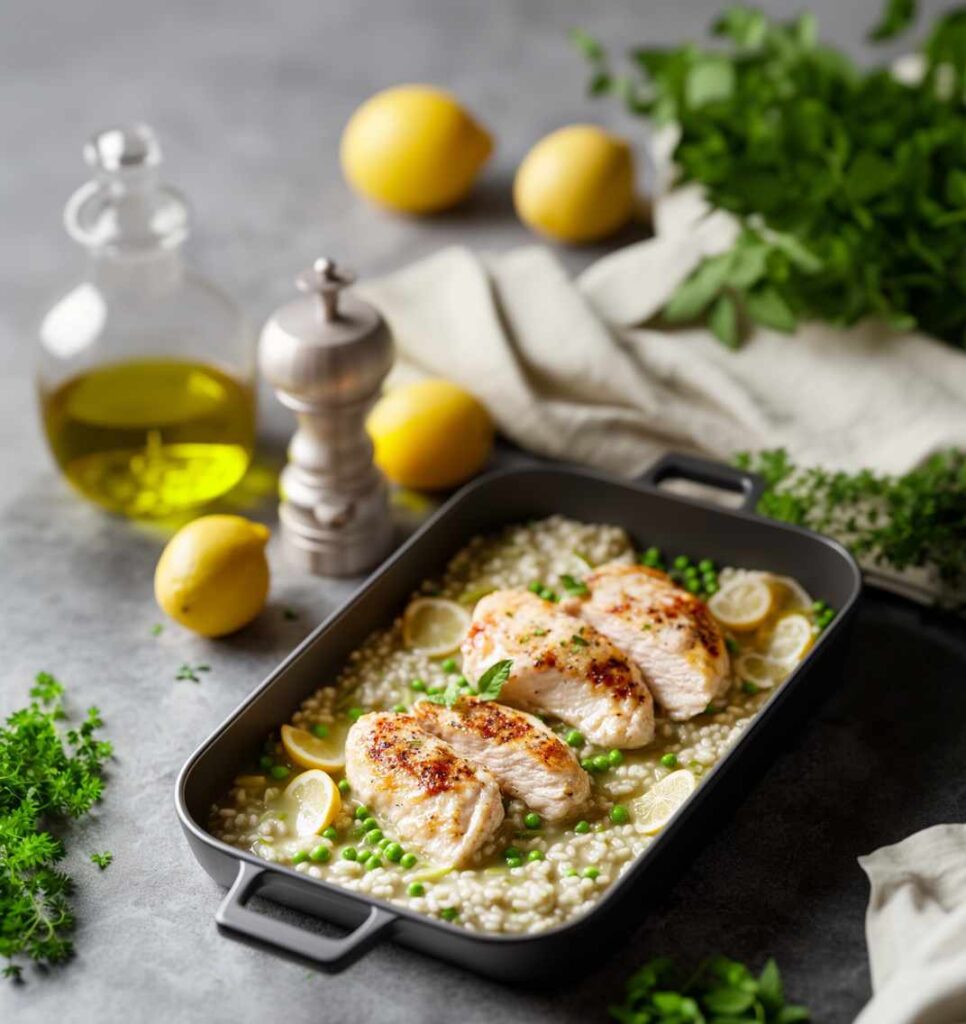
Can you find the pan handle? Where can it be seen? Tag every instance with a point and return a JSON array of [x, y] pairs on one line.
[[330, 954], [676, 465]]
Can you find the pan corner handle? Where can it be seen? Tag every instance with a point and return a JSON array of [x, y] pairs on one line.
[[233, 916], [710, 472]]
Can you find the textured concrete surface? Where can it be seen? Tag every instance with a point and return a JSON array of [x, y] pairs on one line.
[[249, 100]]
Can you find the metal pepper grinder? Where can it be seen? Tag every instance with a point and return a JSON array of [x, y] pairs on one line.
[[326, 356]]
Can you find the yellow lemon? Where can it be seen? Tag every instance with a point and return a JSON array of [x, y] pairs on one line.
[[743, 603], [322, 748], [413, 148], [576, 184], [430, 434], [652, 811], [213, 575], [434, 626], [312, 802]]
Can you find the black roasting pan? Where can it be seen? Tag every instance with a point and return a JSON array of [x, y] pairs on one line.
[[651, 514]]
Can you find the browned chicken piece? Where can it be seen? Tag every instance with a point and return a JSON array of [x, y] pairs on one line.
[[561, 666], [526, 758], [420, 788], [668, 632]]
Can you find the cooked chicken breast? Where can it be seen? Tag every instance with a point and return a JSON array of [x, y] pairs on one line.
[[561, 666], [668, 632], [527, 760], [420, 788]]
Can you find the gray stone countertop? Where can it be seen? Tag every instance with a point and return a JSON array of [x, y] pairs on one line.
[[249, 100]]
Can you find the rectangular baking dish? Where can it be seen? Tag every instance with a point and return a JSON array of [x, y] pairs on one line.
[[651, 515]]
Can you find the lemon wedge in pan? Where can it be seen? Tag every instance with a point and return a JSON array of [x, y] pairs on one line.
[[323, 748], [791, 639], [652, 811], [434, 626], [744, 603], [312, 801]]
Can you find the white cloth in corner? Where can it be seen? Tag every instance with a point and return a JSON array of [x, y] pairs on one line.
[[916, 929]]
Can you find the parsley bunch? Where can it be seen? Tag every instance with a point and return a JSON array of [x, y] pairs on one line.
[[720, 992], [849, 184], [917, 520], [43, 779]]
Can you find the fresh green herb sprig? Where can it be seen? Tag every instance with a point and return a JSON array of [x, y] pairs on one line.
[[46, 777], [488, 686], [102, 860], [849, 184], [916, 520], [190, 672], [721, 991]]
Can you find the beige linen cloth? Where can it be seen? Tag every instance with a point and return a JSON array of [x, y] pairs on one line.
[[568, 369]]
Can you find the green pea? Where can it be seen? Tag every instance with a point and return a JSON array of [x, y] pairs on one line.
[[712, 588], [514, 862], [532, 820], [408, 860], [681, 562], [320, 731], [706, 565], [373, 861], [265, 762], [535, 855], [399, 708], [354, 714], [600, 763], [574, 738], [670, 760], [383, 843], [748, 687], [653, 554], [330, 833], [590, 873], [449, 913], [300, 858], [350, 853], [418, 685], [373, 836], [394, 852], [733, 646], [512, 851], [615, 757], [435, 690], [570, 873], [344, 786], [416, 889], [279, 771], [692, 586], [449, 665], [535, 587], [691, 572], [320, 854], [362, 811], [582, 828], [547, 594], [619, 814], [818, 607]]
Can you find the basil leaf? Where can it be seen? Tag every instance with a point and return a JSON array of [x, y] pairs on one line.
[[766, 307], [728, 1000], [694, 295], [792, 1015], [770, 989], [574, 586], [491, 682], [723, 320], [448, 697]]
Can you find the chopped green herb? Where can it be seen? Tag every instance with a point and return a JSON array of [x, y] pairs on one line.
[[750, 688], [102, 860], [157, 629], [190, 672], [575, 587], [290, 614], [733, 647], [578, 641], [354, 714]]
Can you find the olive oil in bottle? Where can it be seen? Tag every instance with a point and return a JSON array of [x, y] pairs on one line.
[[151, 437], [146, 370]]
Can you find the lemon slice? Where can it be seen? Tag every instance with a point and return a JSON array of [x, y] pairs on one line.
[[435, 626], [790, 639], [744, 603], [764, 672], [653, 810], [251, 781], [310, 751], [312, 801], [791, 595]]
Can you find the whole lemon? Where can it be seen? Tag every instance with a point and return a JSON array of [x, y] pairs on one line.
[[213, 575], [430, 434], [576, 184], [414, 149]]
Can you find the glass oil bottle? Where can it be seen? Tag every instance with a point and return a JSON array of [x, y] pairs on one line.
[[146, 375]]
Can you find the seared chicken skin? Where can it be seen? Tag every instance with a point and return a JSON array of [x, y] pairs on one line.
[[423, 791], [561, 666], [668, 632], [527, 760]]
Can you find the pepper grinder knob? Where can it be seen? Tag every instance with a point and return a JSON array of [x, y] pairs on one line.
[[326, 355]]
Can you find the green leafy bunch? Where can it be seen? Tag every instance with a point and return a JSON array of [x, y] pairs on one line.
[[917, 520], [721, 991], [850, 185], [45, 777]]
